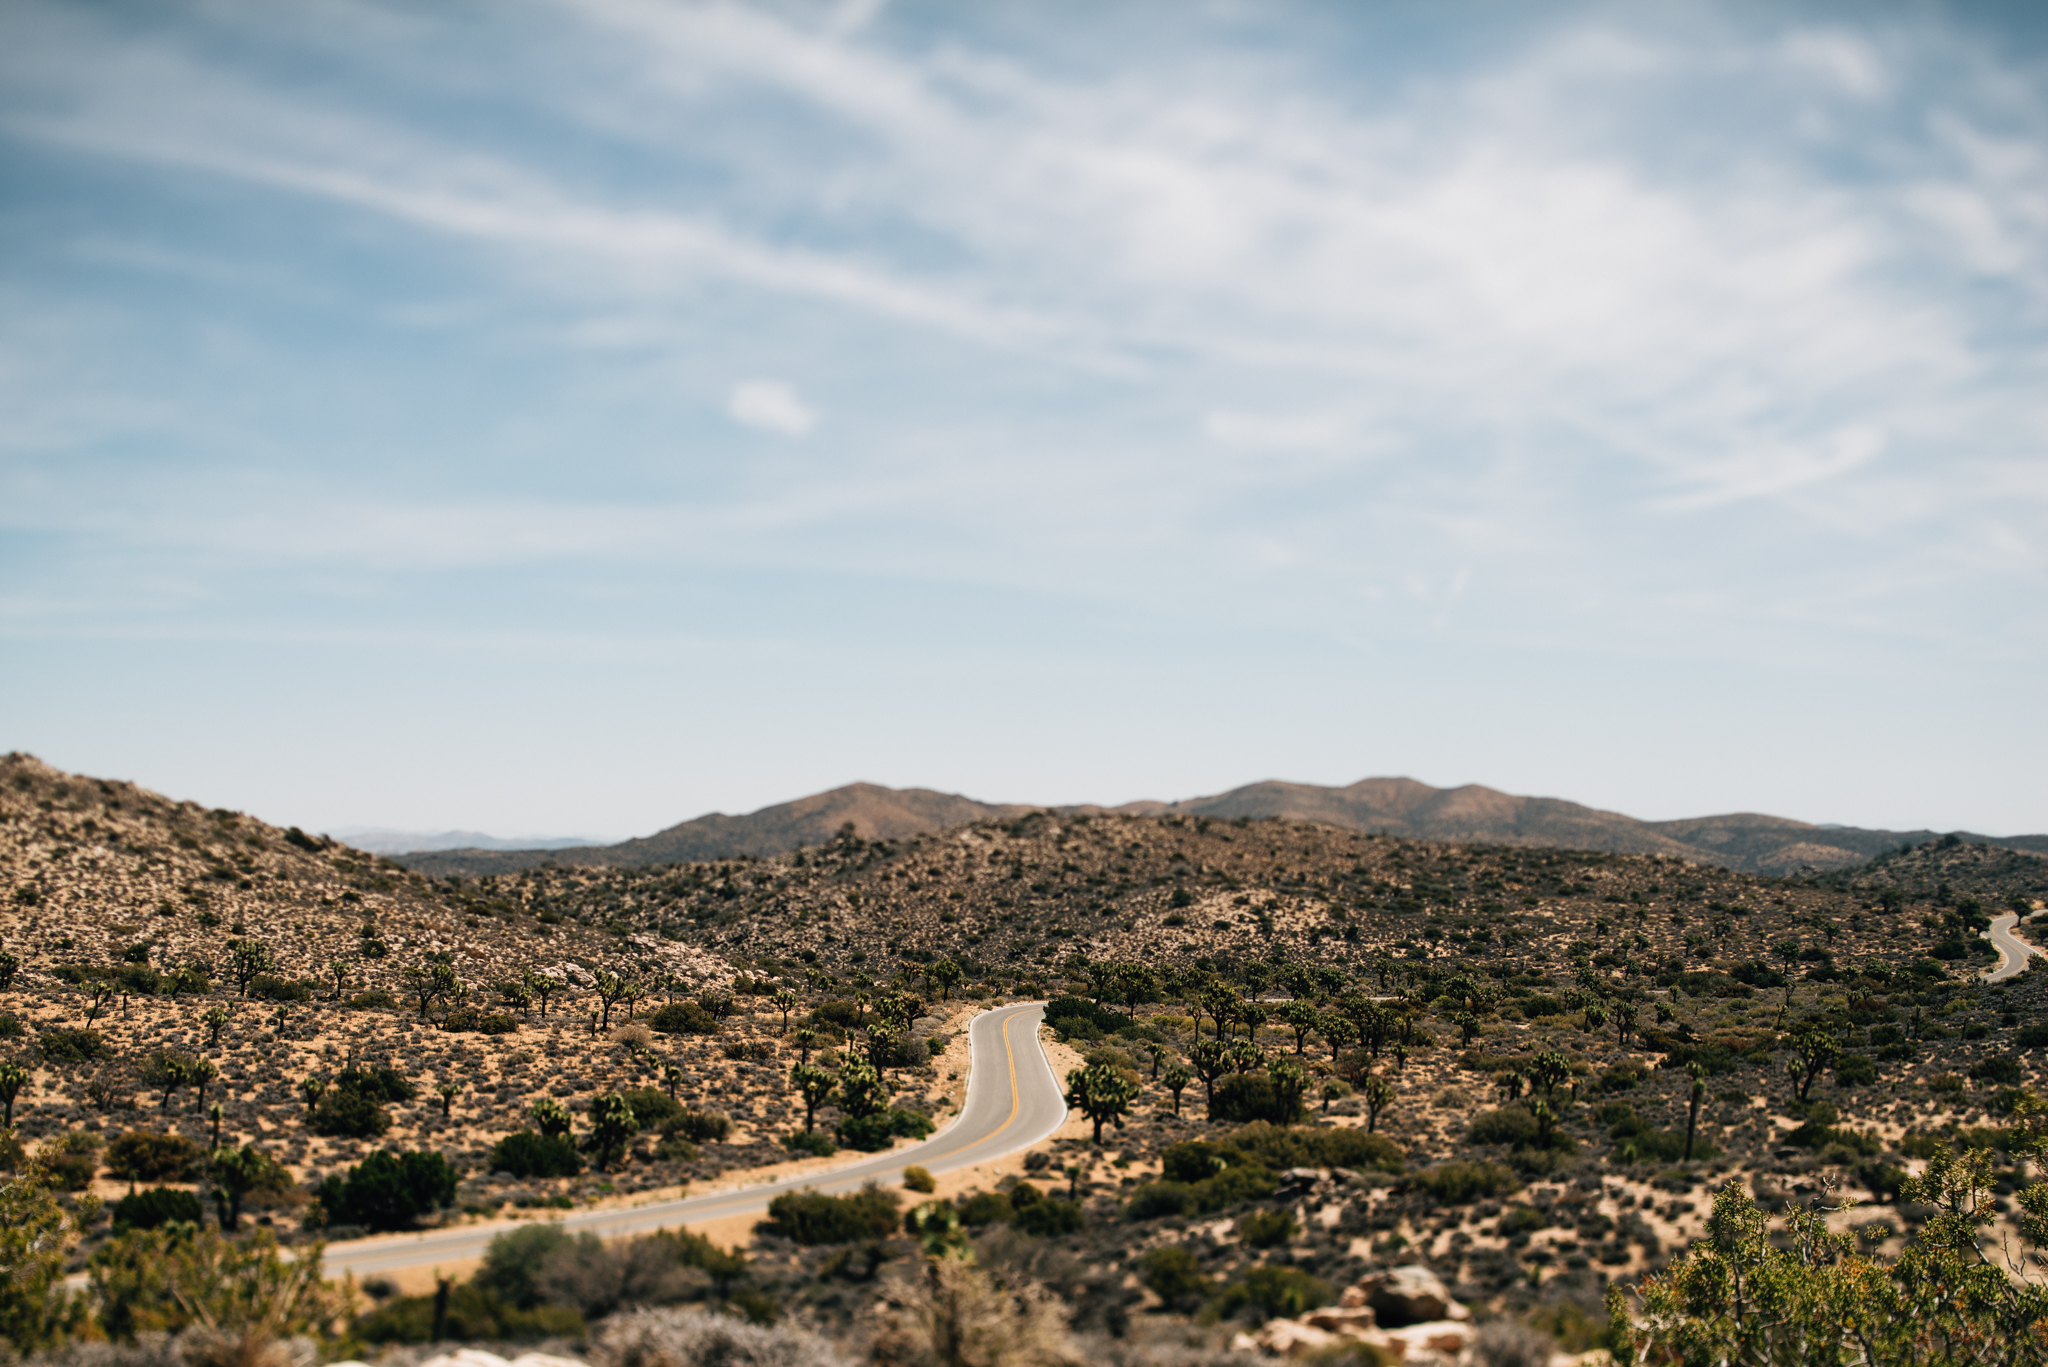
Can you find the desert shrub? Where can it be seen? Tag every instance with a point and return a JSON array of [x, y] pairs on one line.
[[986, 1208], [349, 1115], [920, 1180], [269, 988], [843, 1014], [1266, 1292], [374, 1000], [692, 1338], [673, 1148], [598, 1278], [146, 1156], [1267, 1228], [10, 1026], [1061, 1013], [1152, 1200], [73, 1160], [1048, 1218], [469, 1020], [809, 1217], [873, 1133], [1251, 1096], [813, 1143], [526, 1154], [1195, 1160], [378, 1084], [1511, 1343], [1511, 1125], [1174, 1275], [1622, 1077], [2001, 1070], [389, 1190], [652, 1107], [73, 1046], [2032, 1035], [1855, 1070], [684, 1018], [156, 1206], [472, 1313], [1310, 1146], [1661, 1146], [702, 1127], [1457, 1184], [513, 1262]]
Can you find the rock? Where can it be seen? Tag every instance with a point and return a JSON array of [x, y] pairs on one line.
[[1411, 1294], [1355, 1320], [1304, 1177], [1433, 1341]]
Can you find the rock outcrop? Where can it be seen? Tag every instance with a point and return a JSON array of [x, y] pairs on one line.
[[1406, 1313]]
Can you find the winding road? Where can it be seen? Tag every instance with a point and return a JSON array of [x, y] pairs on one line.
[[2013, 952], [1013, 1101]]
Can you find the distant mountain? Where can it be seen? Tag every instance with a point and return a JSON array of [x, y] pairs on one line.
[[1393, 806], [414, 842]]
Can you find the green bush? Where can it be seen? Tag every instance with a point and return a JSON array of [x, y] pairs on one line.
[[684, 1018], [1457, 1184], [1855, 1070], [1274, 1293], [472, 1313], [1510, 1125], [146, 1156], [1267, 1228], [1174, 1275], [1251, 1096], [266, 987], [814, 1143], [1196, 1160], [2001, 1070], [1048, 1218], [873, 1133], [2032, 1035], [513, 1261], [702, 1127], [1310, 1146], [349, 1115], [1153, 1200], [10, 1026], [156, 1206], [378, 1084], [374, 1000], [673, 1148], [389, 1190], [986, 1208], [651, 1107], [809, 1217], [73, 1046], [526, 1154], [469, 1020]]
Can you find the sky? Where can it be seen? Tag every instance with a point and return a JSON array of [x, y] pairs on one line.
[[572, 416]]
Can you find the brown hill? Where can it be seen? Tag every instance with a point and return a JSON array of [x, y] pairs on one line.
[[1744, 841]]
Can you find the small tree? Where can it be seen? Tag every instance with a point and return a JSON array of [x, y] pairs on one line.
[[672, 1078], [1376, 1092], [612, 1127], [340, 970], [611, 988], [1101, 1092], [543, 986], [1301, 1017], [815, 1086], [1175, 1081], [805, 1040], [1210, 1061], [1550, 1068], [785, 1002], [429, 983], [550, 1117], [12, 1079], [1816, 1051], [946, 975], [247, 961], [235, 1174], [448, 1091], [1692, 1114], [215, 1020]]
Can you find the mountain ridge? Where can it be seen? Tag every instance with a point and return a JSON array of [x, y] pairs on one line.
[[1470, 813]]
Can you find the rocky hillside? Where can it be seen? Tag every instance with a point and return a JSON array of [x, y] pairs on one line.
[[1384, 806]]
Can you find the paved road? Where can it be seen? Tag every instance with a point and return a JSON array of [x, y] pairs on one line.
[[2013, 952], [1013, 1101]]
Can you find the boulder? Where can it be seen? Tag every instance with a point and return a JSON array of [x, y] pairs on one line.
[[1431, 1342], [1411, 1294]]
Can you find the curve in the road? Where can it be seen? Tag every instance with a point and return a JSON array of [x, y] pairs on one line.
[[2013, 952], [1013, 1101]]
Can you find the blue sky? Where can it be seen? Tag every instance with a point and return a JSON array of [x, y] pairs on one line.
[[575, 416]]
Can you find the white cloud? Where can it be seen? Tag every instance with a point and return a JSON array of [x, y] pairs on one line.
[[1290, 432], [770, 406]]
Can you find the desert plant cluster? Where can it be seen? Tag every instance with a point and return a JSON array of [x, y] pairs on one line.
[[1298, 1058]]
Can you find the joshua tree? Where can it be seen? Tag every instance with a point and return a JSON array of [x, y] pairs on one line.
[[1377, 1092], [543, 986], [1290, 1083], [199, 1072], [213, 1113], [1210, 1061], [1158, 1053], [1692, 1115], [448, 1092], [672, 1077], [215, 1020], [9, 966], [785, 1002], [1816, 1051], [1624, 1021], [430, 982], [339, 971], [550, 1117], [1301, 1017], [815, 1086], [235, 1171], [312, 1089], [515, 993], [247, 960], [1176, 1080], [12, 1079], [945, 975], [804, 1038], [1550, 1068], [1101, 1092]]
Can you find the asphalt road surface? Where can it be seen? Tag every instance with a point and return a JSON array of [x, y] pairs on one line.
[[1013, 1101], [2013, 952]]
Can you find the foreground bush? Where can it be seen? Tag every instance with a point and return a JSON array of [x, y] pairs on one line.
[[1265, 1293], [810, 1217], [873, 1133], [472, 1313], [147, 1156], [241, 1294], [691, 1338], [1806, 1295], [1457, 1184], [156, 1206]]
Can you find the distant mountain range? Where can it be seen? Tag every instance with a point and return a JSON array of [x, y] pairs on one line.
[[1393, 806], [414, 842]]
